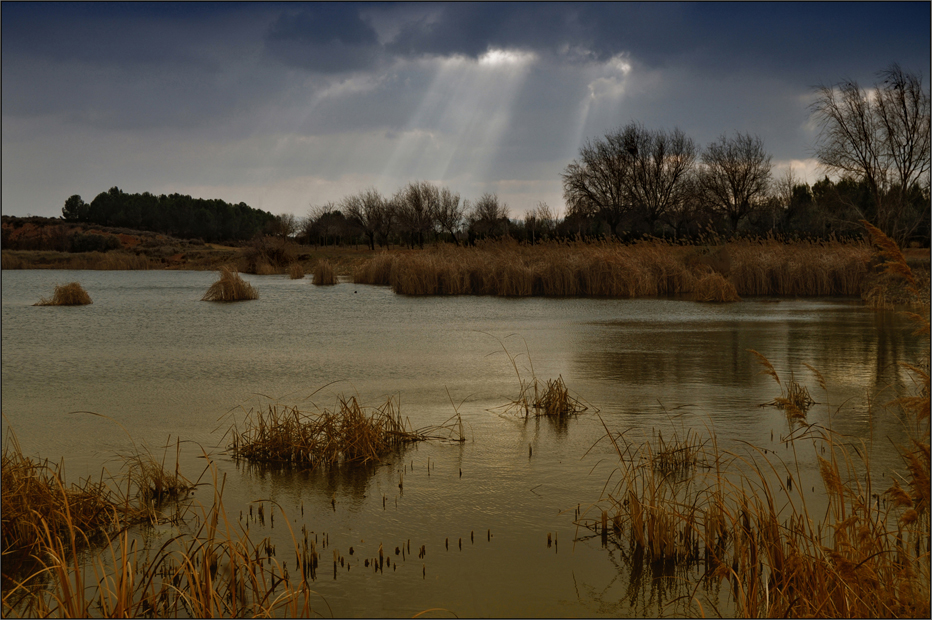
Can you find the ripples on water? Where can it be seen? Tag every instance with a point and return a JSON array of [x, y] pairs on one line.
[[152, 357]]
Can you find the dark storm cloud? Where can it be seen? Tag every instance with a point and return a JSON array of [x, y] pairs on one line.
[[326, 37]]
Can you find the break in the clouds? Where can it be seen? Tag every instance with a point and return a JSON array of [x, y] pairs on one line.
[[287, 105]]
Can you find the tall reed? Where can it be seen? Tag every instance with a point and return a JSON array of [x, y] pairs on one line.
[[323, 274], [607, 269], [740, 518]]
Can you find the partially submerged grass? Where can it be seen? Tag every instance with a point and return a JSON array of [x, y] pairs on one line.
[[644, 269], [549, 399], [350, 434], [741, 519], [72, 294], [296, 271], [212, 570], [230, 287], [323, 273]]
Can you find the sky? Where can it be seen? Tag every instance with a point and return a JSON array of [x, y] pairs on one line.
[[289, 106]]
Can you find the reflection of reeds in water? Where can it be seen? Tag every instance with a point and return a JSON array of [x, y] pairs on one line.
[[230, 287], [72, 294], [743, 521], [323, 274], [350, 434], [650, 268], [212, 569]]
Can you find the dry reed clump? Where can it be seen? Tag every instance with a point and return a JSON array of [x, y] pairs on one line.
[[230, 287], [551, 400], [72, 294], [296, 271], [323, 274], [609, 269], [350, 434]]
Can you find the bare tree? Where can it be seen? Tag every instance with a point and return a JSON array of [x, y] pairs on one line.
[[450, 212], [661, 164], [539, 222], [735, 176], [632, 171], [417, 205], [370, 210], [285, 225], [881, 137], [488, 217], [595, 185]]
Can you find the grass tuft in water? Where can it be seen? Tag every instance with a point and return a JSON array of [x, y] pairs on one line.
[[230, 287], [323, 274], [72, 294]]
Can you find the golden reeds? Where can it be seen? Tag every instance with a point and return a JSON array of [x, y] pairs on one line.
[[742, 520], [350, 434], [607, 269], [72, 294], [323, 273], [296, 271], [213, 569], [230, 287]]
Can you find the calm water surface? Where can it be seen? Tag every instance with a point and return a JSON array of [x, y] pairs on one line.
[[156, 361]]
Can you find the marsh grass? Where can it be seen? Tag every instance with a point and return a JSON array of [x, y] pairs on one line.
[[295, 271], [848, 550], [230, 287], [323, 274], [350, 434], [550, 399], [72, 294], [722, 273], [211, 569]]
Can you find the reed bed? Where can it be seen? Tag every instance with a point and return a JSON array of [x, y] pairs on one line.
[[740, 520], [350, 434], [323, 274], [296, 271], [72, 294], [644, 269], [230, 287]]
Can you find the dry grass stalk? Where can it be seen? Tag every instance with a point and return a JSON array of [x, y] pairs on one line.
[[72, 294], [296, 271], [350, 434], [323, 274], [230, 287]]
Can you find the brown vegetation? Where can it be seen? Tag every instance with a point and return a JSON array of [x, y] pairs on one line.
[[323, 274], [350, 434], [72, 294], [742, 520], [650, 268], [230, 287], [211, 570], [296, 271]]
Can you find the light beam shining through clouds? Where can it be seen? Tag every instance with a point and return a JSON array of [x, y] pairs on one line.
[[285, 105]]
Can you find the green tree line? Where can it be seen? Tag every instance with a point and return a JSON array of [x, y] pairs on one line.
[[176, 215]]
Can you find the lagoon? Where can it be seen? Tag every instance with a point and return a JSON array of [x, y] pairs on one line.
[[155, 364]]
